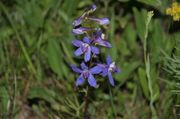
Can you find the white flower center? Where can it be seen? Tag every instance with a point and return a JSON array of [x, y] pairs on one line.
[[111, 66], [86, 45], [103, 36], [86, 73]]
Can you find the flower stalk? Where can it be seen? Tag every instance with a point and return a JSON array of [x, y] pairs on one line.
[[89, 47]]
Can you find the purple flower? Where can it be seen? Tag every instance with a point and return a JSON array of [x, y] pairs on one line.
[[80, 30], [85, 48], [90, 9], [77, 21], [86, 73], [101, 21], [98, 38], [108, 68]]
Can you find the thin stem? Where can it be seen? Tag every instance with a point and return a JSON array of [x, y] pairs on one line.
[[111, 101], [148, 66], [86, 102]]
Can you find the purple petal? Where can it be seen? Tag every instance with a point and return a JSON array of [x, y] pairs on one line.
[[102, 65], [83, 66], [95, 50], [80, 80], [108, 60], [77, 21], [103, 43], [78, 52], [101, 21], [80, 30], [91, 9], [104, 69], [99, 33], [75, 69], [111, 80], [104, 72], [86, 40], [87, 55], [96, 70], [92, 80], [77, 43], [117, 70]]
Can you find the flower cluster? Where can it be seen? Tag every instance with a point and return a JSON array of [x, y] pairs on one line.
[[92, 39], [174, 11]]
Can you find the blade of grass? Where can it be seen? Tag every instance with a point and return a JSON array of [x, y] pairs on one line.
[[32, 68]]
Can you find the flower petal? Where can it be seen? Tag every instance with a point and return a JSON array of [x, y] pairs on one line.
[[104, 69], [90, 9], [77, 43], [103, 43], [111, 80], [75, 69], [83, 66], [95, 50], [78, 52], [96, 70], [104, 72], [117, 70], [87, 55], [101, 21], [108, 60], [80, 80], [77, 21], [92, 80], [93, 7], [98, 32], [80, 30], [86, 40]]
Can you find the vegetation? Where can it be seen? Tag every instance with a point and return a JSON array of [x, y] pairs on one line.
[[36, 81]]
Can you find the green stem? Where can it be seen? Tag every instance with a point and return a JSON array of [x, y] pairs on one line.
[[87, 95], [86, 102], [112, 104], [148, 67]]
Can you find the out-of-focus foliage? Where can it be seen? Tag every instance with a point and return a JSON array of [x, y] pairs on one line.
[[36, 51]]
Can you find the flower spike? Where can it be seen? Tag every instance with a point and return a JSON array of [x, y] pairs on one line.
[[88, 47]]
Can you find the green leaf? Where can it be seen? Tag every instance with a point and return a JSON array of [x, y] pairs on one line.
[[127, 70], [113, 50], [140, 20], [143, 82], [156, 45], [54, 58], [123, 0], [154, 3], [129, 35], [42, 93], [4, 98]]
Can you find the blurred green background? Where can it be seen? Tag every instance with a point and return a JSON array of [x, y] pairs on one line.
[[36, 81]]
